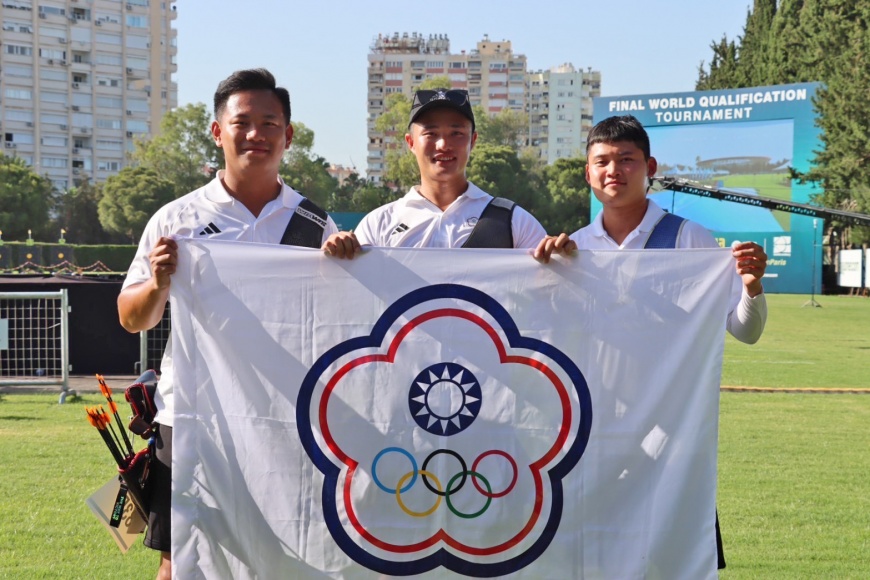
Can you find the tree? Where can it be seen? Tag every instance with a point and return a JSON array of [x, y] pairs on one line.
[[754, 46], [130, 198], [184, 152], [25, 200], [77, 213], [568, 207], [358, 195], [723, 68], [509, 128], [842, 166], [305, 172], [785, 48], [497, 170]]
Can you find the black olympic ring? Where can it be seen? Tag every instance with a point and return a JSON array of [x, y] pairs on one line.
[[464, 472]]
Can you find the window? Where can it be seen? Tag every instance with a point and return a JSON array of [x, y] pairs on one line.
[[134, 21], [19, 115], [137, 63], [53, 74], [109, 81], [107, 17], [52, 53], [108, 165], [17, 71], [103, 38], [52, 97], [19, 138], [52, 119], [457, 65], [82, 99], [57, 162], [110, 59], [109, 123], [54, 141], [110, 102], [137, 105], [80, 33], [47, 32], [83, 120], [23, 94], [137, 126], [109, 144], [19, 50], [53, 10], [134, 41]]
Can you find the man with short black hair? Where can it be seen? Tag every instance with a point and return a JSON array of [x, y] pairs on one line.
[[247, 201], [619, 166], [445, 210]]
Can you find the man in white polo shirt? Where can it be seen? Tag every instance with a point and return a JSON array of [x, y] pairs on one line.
[[445, 210], [247, 201]]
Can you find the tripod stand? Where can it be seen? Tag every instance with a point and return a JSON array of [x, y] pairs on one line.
[[812, 301]]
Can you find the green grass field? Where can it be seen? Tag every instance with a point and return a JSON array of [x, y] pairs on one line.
[[794, 469]]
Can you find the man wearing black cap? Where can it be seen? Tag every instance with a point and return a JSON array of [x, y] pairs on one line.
[[444, 210]]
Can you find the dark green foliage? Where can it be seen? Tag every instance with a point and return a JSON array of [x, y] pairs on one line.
[[184, 152], [25, 201], [130, 198]]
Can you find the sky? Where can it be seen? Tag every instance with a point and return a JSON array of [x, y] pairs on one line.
[[318, 50]]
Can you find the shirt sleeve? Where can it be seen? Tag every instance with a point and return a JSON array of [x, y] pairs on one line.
[[746, 321], [527, 230], [365, 232]]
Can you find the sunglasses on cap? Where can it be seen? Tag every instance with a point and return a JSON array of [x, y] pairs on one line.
[[458, 97]]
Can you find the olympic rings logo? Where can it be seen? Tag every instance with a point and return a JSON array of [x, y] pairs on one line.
[[454, 484]]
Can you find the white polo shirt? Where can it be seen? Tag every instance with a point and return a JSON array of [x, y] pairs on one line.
[[209, 212], [415, 222], [747, 316]]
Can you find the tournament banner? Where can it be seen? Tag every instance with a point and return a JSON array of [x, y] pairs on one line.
[[445, 413]]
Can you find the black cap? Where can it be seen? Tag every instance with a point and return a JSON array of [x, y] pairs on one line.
[[426, 100]]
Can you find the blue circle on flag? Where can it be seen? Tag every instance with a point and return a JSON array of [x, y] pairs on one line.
[[445, 398]]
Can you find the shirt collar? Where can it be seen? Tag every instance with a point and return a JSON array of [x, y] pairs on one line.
[[472, 192], [217, 193], [649, 221]]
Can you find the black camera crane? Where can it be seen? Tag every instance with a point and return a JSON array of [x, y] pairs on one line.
[[814, 211]]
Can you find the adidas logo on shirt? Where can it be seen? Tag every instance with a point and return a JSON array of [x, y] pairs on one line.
[[399, 229], [210, 229]]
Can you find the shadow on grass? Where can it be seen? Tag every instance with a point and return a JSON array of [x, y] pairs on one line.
[[18, 418]]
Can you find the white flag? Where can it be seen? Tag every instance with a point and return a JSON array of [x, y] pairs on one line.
[[445, 413]]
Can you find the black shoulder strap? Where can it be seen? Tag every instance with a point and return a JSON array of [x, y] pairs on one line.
[[306, 225], [493, 228], [665, 233]]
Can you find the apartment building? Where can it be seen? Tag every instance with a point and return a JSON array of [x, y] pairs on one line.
[[491, 72], [82, 79], [560, 110]]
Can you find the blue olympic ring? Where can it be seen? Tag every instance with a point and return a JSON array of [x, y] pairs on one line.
[[410, 457]]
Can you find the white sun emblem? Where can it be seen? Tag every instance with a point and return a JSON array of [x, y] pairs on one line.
[[444, 399]]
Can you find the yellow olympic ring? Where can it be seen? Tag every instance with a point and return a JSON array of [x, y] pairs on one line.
[[402, 505]]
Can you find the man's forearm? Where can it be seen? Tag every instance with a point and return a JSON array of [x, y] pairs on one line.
[[141, 306]]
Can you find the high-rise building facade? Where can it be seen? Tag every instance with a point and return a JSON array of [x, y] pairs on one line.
[[492, 73], [82, 79], [560, 110]]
